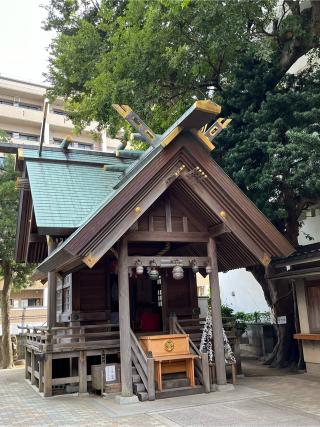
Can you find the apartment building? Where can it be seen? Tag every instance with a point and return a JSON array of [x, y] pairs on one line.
[[27, 306], [21, 114]]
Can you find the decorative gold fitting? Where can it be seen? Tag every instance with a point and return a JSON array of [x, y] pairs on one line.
[[89, 260], [223, 214], [265, 259]]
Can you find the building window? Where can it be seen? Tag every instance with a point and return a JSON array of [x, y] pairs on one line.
[[33, 302], [84, 146], [23, 303], [29, 106], [59, 112], [201, 291], [313, 304], [6, 102], [58, 141], [66, 300], [28, 137]]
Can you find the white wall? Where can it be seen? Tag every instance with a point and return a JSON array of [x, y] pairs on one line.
[[241, 291], [311, 226]]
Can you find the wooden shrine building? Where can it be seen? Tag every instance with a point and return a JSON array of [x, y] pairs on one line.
[[119, 238]]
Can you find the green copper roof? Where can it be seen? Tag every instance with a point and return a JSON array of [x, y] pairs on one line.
[[78, 156], [67, 187]]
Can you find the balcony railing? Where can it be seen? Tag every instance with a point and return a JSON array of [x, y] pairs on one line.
[[73, 338]]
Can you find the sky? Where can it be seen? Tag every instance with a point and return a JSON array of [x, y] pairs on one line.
[[23, 43]]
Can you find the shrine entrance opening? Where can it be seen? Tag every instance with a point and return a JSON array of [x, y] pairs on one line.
[[153, 301]]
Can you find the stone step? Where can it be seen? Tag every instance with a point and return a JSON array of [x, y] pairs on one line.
[[138, 387], [181, 391], [142, 396], [175, 383]]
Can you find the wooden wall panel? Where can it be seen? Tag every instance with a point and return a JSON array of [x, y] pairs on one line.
[[313, 303], [179, 296], [90, 290], [182, 219]]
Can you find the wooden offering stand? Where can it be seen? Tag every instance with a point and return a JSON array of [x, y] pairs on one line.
[[171, 354]]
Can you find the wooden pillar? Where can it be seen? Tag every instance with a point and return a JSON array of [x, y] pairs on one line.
[[124, 320], [217, 327], [47, 375], [205, 372], [52, 289], [150, 378], [40, 376], [33, 362], [82, 367], [26, 366]]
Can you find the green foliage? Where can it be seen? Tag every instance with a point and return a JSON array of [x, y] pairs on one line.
[[242, 319], [155, 55], [255, 317], [272, 148], [226, 311], [8, 218]]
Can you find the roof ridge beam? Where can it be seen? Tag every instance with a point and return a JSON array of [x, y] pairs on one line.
[[129, 154]]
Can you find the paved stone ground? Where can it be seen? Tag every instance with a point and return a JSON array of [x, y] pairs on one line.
[[290, 400]]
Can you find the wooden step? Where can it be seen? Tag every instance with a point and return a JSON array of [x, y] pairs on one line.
[[136, 378], [180, 391], [193, 328], [143, 396], [174, 376], [134, 371], [138, 387], [175, 383]]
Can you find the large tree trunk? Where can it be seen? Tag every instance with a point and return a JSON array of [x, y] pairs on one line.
[[7, 356], [280, 297]]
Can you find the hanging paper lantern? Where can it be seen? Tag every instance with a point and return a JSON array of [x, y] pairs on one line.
[[177, 272], [208, 269], [194, 267], [139, 268], [153, 273]]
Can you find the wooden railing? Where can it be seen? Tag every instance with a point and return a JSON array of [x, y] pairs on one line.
[[194, 328], [73, 338], [201, 364], [144, 365]]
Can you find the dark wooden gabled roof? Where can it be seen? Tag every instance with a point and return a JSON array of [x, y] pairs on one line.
[[253, 238], [179, 160]]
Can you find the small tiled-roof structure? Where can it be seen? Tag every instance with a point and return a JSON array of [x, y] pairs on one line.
[[302, 255], [67, 186]]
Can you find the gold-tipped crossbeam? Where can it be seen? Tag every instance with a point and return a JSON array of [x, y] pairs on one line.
[[194, 120], [127, 113]]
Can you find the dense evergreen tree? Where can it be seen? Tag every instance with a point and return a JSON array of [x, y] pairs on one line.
[[14, 275]]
